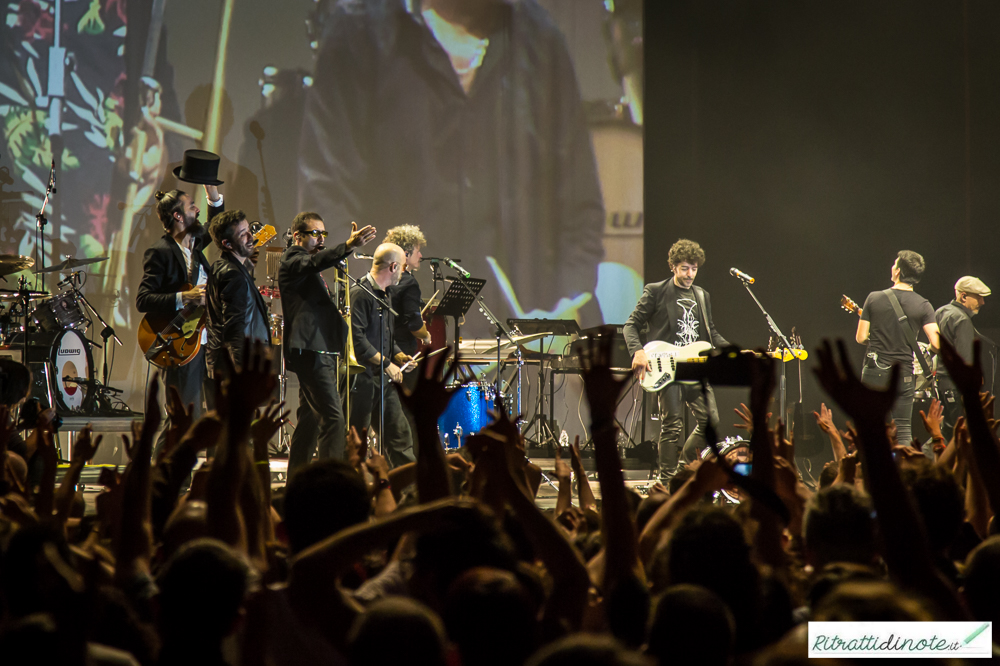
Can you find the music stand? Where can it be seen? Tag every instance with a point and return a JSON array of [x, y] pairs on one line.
[[553, 326], [458, 299]]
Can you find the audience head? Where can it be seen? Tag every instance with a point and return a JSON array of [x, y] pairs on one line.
[[870, 601], [187, 523], [397, 630], [691, 625], [329, 484], [490, 617], [202, 591], [828, 474], [981, 580], [940, 502], [15, 382], [838, 527], [586, 650]]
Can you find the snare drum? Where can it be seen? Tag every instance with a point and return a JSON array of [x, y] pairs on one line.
[[468, 412], [59, 313], [277, 323]]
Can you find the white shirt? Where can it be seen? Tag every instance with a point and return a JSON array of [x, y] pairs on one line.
[[202, 276]]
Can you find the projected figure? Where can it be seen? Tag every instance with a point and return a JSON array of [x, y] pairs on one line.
[[463, 117], [679, 313], [882, 331]]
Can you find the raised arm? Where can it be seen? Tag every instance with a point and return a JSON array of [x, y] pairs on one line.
[[906, 549]]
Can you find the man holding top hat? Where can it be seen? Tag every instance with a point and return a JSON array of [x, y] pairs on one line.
[[175, 270]]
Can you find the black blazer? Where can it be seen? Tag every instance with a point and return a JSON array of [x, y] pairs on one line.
[[164, 271], [312, 320], [658, 309], [236, 310]]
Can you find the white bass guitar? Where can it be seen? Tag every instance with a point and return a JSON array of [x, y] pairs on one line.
[[663, 358]]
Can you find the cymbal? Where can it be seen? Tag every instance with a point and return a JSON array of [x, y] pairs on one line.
[[516, 341], [13, 295], [14, 263], [70, 264]]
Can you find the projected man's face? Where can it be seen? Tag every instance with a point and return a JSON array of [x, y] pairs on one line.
[[684, 274]]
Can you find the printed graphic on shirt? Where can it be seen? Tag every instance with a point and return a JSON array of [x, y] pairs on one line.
[[687, 325]]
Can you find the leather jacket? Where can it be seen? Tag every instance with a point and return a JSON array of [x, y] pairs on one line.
[[236, 310]]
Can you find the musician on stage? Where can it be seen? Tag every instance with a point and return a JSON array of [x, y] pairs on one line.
[[882, 331], [175, 270], [954, 321], [315, 336], [236, 309], [680, 313], [409, 328], [369, 331]]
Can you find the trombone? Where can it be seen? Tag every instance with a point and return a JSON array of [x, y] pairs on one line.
[[348, 365]]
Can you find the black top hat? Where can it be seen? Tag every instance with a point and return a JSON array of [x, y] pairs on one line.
[[200, 167]]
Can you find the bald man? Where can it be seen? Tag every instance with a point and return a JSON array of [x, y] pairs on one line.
[[376, 349]]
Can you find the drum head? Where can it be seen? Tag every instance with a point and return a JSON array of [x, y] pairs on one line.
[[71, 358]]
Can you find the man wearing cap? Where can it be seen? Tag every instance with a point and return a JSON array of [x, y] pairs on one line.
[[175, 270], [955, 322]]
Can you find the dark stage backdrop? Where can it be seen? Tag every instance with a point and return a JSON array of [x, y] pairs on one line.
[[806, 143]]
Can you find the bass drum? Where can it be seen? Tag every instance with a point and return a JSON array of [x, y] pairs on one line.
[[71, 358]]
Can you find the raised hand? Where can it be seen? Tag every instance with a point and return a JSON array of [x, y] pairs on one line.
[[264, 427], [357, 447], [180, 417], [85, 447], [891, 431], [562, 472], [431, 395], [361, 236], [933, 419], [600, 384], [863, 404], [251, 385], [745, 417], [824, 419], [968, 378]]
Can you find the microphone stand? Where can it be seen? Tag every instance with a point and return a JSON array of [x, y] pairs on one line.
[[382, 307], [782, 342], [41, 221]]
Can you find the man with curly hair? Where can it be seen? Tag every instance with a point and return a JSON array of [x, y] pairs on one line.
[[409, 327], [677, 312]]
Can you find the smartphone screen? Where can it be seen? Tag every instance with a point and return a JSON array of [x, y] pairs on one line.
[[742, 469]]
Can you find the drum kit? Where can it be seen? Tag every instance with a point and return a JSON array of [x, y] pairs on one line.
[[50, 332]]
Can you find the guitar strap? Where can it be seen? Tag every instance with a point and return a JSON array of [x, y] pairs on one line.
[[699, 295], [911, 336]]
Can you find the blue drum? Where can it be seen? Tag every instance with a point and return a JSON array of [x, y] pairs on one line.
[[467, 414]]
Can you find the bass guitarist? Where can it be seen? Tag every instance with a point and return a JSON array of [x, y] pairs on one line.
[[176, 262], [679, 313]]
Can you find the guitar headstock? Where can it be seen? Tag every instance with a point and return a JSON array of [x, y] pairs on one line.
[[263, 234], [850, 306]]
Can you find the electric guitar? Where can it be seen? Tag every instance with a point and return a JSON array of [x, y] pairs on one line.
[[931, 359], [663, 358], [170, 341]]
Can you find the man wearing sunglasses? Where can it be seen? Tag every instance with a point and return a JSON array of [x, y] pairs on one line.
[[315, 334]]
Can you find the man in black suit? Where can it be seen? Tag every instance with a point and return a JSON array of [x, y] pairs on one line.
[[679, 313], [173, 262], [235, 307], [315, 336], [376, 348]]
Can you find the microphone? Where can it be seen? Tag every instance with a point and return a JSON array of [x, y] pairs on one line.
[[69, 279], [735, 272], [363, 256], [52, 176], [455, 265]]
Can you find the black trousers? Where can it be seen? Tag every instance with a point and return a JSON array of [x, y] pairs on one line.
[[951, 401], [366, 403], [320, 417], [191, 381], [672, 401], [902, 410]]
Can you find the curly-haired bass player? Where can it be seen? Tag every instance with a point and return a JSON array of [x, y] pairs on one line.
[[677, 312]]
